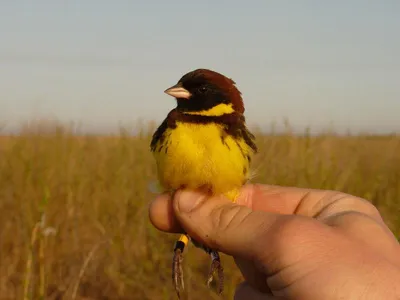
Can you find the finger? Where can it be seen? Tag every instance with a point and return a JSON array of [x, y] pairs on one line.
[[237, 230], [306, 202], [319, 204], [162, 215], [219, 223], [276, 199], [265, 238], [245, 292]]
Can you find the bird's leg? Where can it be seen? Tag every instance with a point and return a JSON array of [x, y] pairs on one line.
[[177, 272], [216, 266]]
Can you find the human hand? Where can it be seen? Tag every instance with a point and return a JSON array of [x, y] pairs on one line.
[[292, 243]]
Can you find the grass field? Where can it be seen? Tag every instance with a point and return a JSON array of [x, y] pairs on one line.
[[96, 241]]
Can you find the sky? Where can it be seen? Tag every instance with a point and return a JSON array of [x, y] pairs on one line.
[[106, 63]]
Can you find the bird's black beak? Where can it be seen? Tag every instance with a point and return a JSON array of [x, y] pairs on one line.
[[178, 91]]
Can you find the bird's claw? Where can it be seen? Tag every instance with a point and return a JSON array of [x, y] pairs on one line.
[[177, 272], [216, 266]]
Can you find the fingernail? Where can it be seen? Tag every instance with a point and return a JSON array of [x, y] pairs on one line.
[[188, 200]]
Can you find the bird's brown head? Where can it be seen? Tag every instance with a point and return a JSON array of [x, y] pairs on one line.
[[202, 90]]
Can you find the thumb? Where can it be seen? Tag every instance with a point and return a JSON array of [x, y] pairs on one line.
[[222, 225]]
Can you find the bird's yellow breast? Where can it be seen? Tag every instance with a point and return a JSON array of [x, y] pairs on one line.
[[196, 155]]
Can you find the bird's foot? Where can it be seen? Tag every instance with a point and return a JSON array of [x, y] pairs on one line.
[[216, 266], [177, 272]]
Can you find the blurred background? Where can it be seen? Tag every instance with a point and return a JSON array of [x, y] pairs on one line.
[[81, 91], [105, 63]]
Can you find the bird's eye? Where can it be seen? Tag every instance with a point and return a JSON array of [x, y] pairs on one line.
[[203, 89]]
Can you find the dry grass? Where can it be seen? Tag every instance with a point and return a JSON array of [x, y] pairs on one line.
[[93, 192]]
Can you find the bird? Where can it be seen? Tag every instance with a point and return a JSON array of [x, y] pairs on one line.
[[203, 144]]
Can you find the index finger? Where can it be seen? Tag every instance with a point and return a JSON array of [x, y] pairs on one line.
[[313, 203]]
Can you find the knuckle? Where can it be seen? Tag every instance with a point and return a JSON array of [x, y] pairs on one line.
[[357, 204], [369, 209], [226, 219], [338, 202]]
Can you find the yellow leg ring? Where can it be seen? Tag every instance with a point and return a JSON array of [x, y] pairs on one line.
[[184, 239]]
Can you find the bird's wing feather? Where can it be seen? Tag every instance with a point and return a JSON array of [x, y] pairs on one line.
[[158, 135]]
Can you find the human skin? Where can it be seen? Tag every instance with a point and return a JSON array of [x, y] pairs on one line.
[[292, 243]]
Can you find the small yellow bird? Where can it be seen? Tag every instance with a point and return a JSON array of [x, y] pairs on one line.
[[203, 144]]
